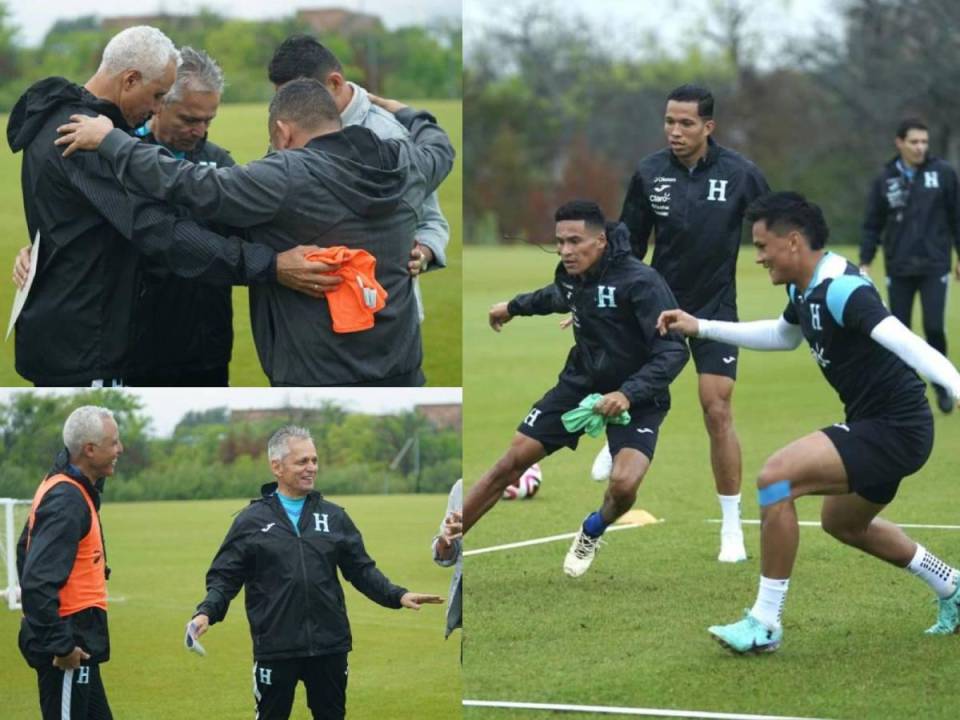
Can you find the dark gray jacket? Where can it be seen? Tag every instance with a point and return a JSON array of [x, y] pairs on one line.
[[344, 188]]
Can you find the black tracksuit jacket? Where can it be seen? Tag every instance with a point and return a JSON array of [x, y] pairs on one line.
[[916, 222], [698, 217], [62, 520], [183, 325], [617, 346], [294, 600], [77, 324]]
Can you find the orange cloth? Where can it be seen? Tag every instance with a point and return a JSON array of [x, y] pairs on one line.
[[86, 587], [354, 301]]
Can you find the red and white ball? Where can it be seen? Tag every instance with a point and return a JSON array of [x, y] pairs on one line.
[[526, 486]]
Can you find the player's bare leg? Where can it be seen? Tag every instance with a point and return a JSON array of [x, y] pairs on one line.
[[629, 467], [853, 520], [808, 466], [716, 396], [522, 453]]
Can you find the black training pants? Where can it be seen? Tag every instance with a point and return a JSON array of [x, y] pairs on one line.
[[72, 695], [933, 301], [324, 676]]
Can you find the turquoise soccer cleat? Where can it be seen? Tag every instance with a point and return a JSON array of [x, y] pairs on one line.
[[948, 616], [747, 636]]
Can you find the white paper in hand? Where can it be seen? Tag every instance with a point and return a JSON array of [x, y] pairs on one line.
[[20, 299], [190, 640]]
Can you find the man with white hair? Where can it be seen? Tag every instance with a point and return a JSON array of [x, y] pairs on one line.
[[285, 549], [62, 564], [76, 325]]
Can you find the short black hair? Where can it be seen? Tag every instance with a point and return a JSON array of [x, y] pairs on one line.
[[586, 210], [786, 211], [302, 56], [306, 102], [908, 124], [694, 93]]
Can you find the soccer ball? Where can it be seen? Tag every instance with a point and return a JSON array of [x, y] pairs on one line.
[[526, 486]]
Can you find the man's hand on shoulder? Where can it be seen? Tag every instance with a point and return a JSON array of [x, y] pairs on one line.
[[415, 600], [83, 133], [391, 106]]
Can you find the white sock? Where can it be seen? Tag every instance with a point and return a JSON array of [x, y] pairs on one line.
[[771, 596], [730, 508], [941, 578]]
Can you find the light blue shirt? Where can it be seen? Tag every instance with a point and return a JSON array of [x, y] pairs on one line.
[[293, 508]]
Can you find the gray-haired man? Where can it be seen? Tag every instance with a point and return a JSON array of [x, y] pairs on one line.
[[62, 565], [285, 549]]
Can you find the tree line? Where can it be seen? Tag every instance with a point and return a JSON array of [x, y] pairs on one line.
[[553, 110], [209, 455], [413, 62]]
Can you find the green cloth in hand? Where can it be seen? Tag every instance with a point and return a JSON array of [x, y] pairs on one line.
[[584, 418]]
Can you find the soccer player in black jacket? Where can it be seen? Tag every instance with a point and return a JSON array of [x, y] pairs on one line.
[[62, 567], [870, 359], [285, 549], [615, 300], [693, 195], [914, 206]]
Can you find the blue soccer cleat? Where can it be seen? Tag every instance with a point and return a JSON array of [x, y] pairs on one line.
[[948, 616], [747, 636]]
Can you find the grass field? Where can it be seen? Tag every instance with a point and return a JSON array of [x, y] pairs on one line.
[[632, 632], [242, 130], [401, 666]]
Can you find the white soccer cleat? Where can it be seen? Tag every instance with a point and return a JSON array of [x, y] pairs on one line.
[[602, 465], [731, 548], [580, 554]]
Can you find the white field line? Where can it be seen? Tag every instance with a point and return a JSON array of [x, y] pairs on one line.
[[608, 710], [541, 541], [813, 523]]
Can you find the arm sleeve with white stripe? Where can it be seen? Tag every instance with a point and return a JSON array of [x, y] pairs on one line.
[[757, 335], [897, 338]]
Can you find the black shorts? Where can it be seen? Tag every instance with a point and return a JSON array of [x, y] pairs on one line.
[[716, 358], [544, 425], [878, 453]]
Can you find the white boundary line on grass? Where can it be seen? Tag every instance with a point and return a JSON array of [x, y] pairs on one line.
[[608, 710], [813, 523], [541, 541]]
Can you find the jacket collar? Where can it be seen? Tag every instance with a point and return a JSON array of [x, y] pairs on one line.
[[356, 110], [713, 150], [63, 466]]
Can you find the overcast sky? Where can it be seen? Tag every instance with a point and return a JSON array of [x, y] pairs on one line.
[[618, 23], [166, 406], [35, 18]]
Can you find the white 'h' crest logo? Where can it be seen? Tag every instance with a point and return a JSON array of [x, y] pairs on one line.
[[83, 676], [930, 179], [532, 417], [321, 520], [605, 296], [718, 190], [815, 316]]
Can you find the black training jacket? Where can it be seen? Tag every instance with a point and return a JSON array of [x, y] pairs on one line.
[[916, 222], [183, 325], [615, 309], [698, 217], [76, 325], [293, 595], [62, 520]]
